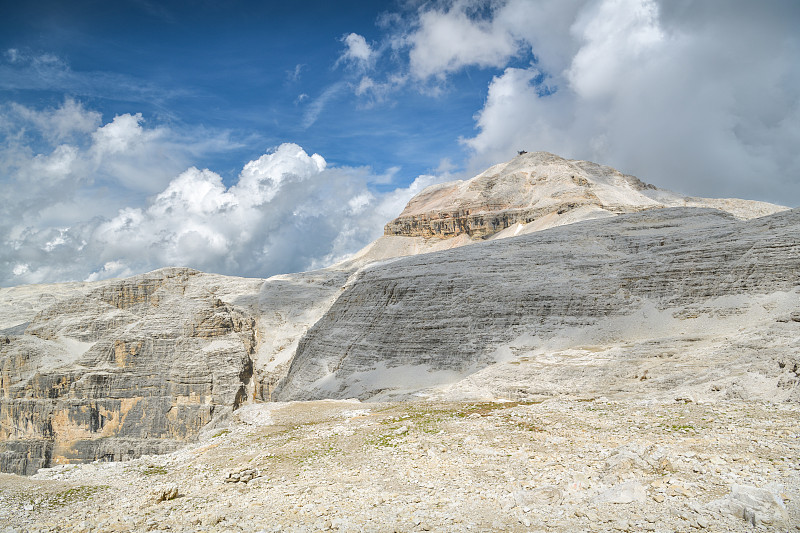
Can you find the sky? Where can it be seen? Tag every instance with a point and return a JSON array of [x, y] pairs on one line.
[[257, 138]]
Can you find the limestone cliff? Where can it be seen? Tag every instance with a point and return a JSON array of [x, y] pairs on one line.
[[287, 306], [129, 367]]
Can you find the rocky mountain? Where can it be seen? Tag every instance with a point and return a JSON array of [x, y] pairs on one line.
[[532, 192], [666, 296], [644, 301]]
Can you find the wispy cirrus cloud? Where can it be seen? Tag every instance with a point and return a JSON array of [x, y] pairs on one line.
[[294, 75], [25, 70], [315, 107]]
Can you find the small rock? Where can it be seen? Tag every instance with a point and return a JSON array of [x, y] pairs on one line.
[[622, 525], [664, 466], [168, 492], [580, 482], [507, 502], [676, 490], [630, 491], [754, 505], [547, 495], [243, 476], [212, 520]]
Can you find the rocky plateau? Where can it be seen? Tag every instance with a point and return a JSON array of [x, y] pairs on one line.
[[550, 346]]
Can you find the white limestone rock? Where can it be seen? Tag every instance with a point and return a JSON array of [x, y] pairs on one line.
[[757, 506], [124, 368], [428, 320], [628, 492]]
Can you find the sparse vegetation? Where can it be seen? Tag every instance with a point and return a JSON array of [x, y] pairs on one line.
[[384, 440], [152, 470]]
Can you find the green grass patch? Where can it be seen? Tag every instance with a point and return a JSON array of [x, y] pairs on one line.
[[487, 408], [72, 495], [152, 470], [678, 427]]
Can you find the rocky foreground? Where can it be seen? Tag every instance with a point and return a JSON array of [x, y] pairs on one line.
[[570, 464]]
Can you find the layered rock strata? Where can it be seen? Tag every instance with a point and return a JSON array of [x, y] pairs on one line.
[[423, 321], [540, 186], [130, 367]]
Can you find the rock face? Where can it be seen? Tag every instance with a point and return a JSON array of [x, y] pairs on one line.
[[425, 320], [540, 188], [130, 367]]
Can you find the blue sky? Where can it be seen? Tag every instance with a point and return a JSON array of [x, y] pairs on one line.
[[254, 138], [254, 69]]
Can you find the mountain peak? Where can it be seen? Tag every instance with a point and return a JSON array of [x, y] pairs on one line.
[[537, 190]]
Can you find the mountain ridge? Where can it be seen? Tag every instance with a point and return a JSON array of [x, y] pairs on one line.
[[537, 184]]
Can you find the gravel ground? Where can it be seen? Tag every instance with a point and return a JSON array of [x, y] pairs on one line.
[[558, 465]]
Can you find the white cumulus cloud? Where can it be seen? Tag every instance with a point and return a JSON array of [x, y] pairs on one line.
[[357, 50], [617, 37], [287, 210], [701, 97], [449, 39], [62, 123]]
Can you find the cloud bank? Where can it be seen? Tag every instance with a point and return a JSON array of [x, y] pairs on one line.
[[699, 96], [704, 102], [287, 211]]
